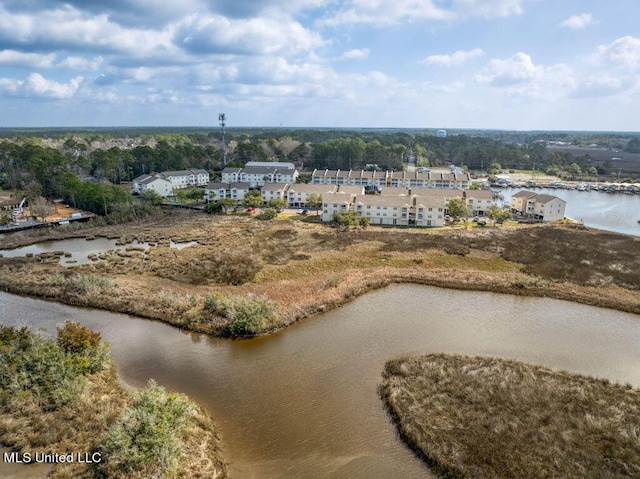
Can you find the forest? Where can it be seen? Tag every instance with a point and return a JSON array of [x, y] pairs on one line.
[[86, 166]]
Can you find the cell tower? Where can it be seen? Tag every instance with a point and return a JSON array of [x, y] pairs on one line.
[[223, 122]]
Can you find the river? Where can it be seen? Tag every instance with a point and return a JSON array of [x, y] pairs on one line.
[[304, 402], [606, 211]]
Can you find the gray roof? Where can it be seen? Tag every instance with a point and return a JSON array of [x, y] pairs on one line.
[[377, 200], [259, 170], [230, 169], [308, 188], [176, 173], [479, 194], [140, 178], [274, 187], [217, 186], [545, 198], [200, 172]]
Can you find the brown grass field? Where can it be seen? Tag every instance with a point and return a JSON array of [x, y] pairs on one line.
[[307, 267], [475, 418], [78, 428]]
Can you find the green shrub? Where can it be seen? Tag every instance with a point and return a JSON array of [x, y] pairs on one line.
[[267, 214], [87, 353], [247, 315], [39, 368], [145, 442]]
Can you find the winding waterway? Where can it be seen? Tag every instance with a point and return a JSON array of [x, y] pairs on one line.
[[304, 403]]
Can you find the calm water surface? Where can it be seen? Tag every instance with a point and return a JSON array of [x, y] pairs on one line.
[[81, 248], [304, 403], [607, 211]]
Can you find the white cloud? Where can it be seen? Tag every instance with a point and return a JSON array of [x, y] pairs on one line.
[[386, 12], [623, 52], [577, 22], [389, 12], [38, 85], [81, 63], [488, 8], [216, 35], [73, 30], [30, 60], [455, 59], [517, 69], [356, 54], [10, 85]]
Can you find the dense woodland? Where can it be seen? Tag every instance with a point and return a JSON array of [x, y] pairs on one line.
[[85, 167]]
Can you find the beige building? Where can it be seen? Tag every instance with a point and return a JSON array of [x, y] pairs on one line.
[[538, 207], [384, 210], [298, 194]]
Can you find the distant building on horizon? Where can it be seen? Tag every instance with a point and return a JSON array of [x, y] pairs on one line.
[[441, 133]]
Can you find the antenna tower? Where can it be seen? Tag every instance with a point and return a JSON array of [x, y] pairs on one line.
[[223, 122]]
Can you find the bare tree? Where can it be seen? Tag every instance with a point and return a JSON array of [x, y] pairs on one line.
[[41, 208]]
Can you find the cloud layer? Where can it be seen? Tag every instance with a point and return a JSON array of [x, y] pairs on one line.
[[313, 62]]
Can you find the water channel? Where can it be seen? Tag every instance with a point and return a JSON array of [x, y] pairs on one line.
[[304, 403]]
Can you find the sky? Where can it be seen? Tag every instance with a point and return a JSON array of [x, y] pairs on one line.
[[488, 64]]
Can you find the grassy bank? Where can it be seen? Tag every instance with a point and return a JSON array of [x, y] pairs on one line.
[[63, 397], [299, 268], [492, 418]]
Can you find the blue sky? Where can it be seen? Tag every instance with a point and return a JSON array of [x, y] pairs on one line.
[[507, 64]]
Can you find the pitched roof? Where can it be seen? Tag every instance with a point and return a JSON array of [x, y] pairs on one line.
[[274, 187], [217, 186], [200, 172], [545, 198], [436, 193], [140, 178], [231, 169], [479, 194], [394, 191], [377, 200], [258, 170], [176, 173], [351, 190], [523, 194], [308, 188]]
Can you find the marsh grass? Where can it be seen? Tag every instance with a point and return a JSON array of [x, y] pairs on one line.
[[64, 397], [492, 418], [296, 263]]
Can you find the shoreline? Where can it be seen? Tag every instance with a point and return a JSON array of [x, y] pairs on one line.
[[542, 422], [308, 268]]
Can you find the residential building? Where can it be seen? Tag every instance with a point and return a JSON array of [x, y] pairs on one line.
[[519, 201], [159, 185], [545, 208], [272, 191], [179, 179], [298, 194], [479, 201], [427, 211], [384, 210], [230, 175], [137, 183], [216, 191], [201, 177], [334, 202]]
